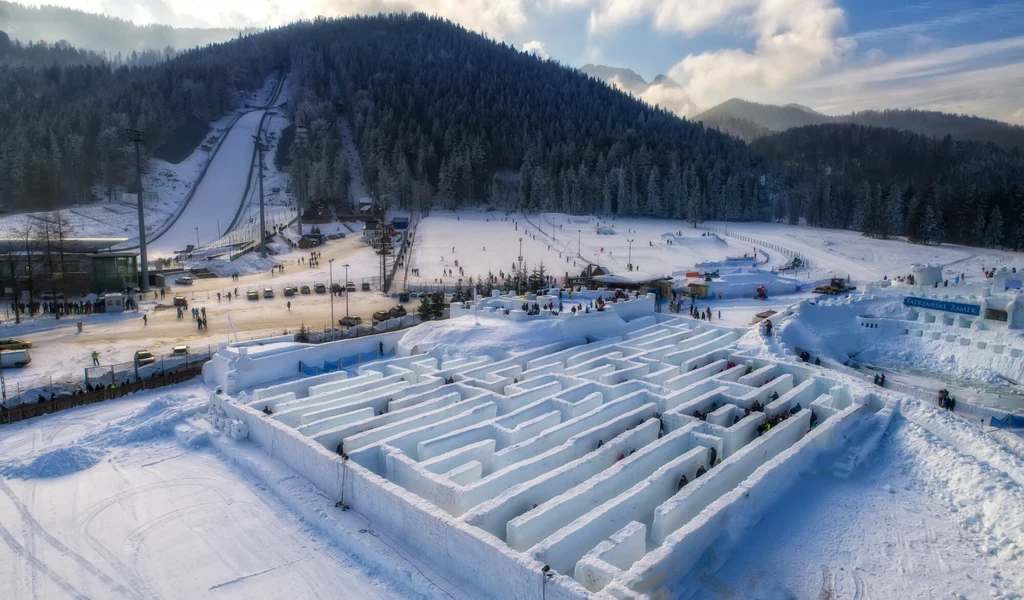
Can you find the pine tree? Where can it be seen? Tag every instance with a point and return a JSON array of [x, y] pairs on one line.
[[994, 231], [653, 206]]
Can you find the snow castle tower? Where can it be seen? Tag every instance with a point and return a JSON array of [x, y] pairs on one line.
[[927, 275]]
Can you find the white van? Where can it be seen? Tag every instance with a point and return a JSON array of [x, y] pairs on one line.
[[14, 358]]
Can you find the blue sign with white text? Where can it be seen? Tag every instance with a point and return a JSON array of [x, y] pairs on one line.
[[943, 305]]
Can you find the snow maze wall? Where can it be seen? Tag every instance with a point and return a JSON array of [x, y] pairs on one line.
[[586, 458]]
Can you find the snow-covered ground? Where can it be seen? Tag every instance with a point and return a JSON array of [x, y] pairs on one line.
[[126, 499], [923, 519]]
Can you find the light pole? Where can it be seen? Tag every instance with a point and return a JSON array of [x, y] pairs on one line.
[[197, 238], [579, 243], [261, 147], [519, 275], [301, 131], [330, 267], [218, 227], [138, 136], [629, 257], [346, 291]]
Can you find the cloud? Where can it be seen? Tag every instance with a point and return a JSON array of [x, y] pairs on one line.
[[687, 16], [1018, 116], [536, 47], [493, 17], [986, 79], [794, 39]]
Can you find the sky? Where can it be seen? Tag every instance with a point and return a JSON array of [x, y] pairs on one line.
[[835, 56]]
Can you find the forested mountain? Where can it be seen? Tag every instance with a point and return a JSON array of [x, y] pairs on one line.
[[749, 121], [15, 54], [885, 181], [440, 110], [769, 117], [102, 33], [62, 128], [446, 117]]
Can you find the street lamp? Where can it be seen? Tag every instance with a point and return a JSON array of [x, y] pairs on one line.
[[579, 243], [330, 267], [519, 275], [197, 238], [629, 257]]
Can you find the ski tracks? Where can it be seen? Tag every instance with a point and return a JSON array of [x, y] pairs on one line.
[[33, 528]]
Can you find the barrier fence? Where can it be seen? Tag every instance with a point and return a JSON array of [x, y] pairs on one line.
[[760, 243], [81, 398], [26, 390]]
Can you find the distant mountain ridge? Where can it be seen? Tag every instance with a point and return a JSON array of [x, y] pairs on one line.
[[750, 121], [97, 32], [662, 91]]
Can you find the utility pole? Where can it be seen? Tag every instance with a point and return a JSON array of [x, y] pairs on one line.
[[346, 291], [330, 267], [197, 238], [138, 137], [301, 134], [261, 147], [629, 258], [579, 243], [519, 276]]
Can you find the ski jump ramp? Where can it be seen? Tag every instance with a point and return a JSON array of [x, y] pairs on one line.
[[572, 470]]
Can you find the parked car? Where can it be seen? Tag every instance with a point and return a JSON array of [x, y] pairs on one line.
[[185, 280], [268, 292], [320, 288], [398, 311], [252, 295], [350, 321], [14, 358], [304, 289], [335, 288], [366, 286], [143, 358], [180, 350], [14, 344], [289, 291], [381, 315], [350, 287], [403, 296]]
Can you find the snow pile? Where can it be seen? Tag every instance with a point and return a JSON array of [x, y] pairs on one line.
[[53, 463], [156, 419], [496, 338]]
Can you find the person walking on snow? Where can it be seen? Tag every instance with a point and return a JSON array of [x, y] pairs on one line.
[[95, 358], [145, 320]]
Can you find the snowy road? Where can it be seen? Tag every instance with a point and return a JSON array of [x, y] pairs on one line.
[[137, 514]]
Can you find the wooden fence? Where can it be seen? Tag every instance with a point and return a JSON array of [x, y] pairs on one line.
[[35, 409]]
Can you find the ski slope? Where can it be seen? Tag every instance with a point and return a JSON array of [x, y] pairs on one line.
[[217, 199]]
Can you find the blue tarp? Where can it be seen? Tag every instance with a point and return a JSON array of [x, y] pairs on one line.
[[1008, 422], [330, 367], [367, 356], [349, 361], [309, 370]]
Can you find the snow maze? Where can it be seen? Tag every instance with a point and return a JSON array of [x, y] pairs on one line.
[[610, 468]]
